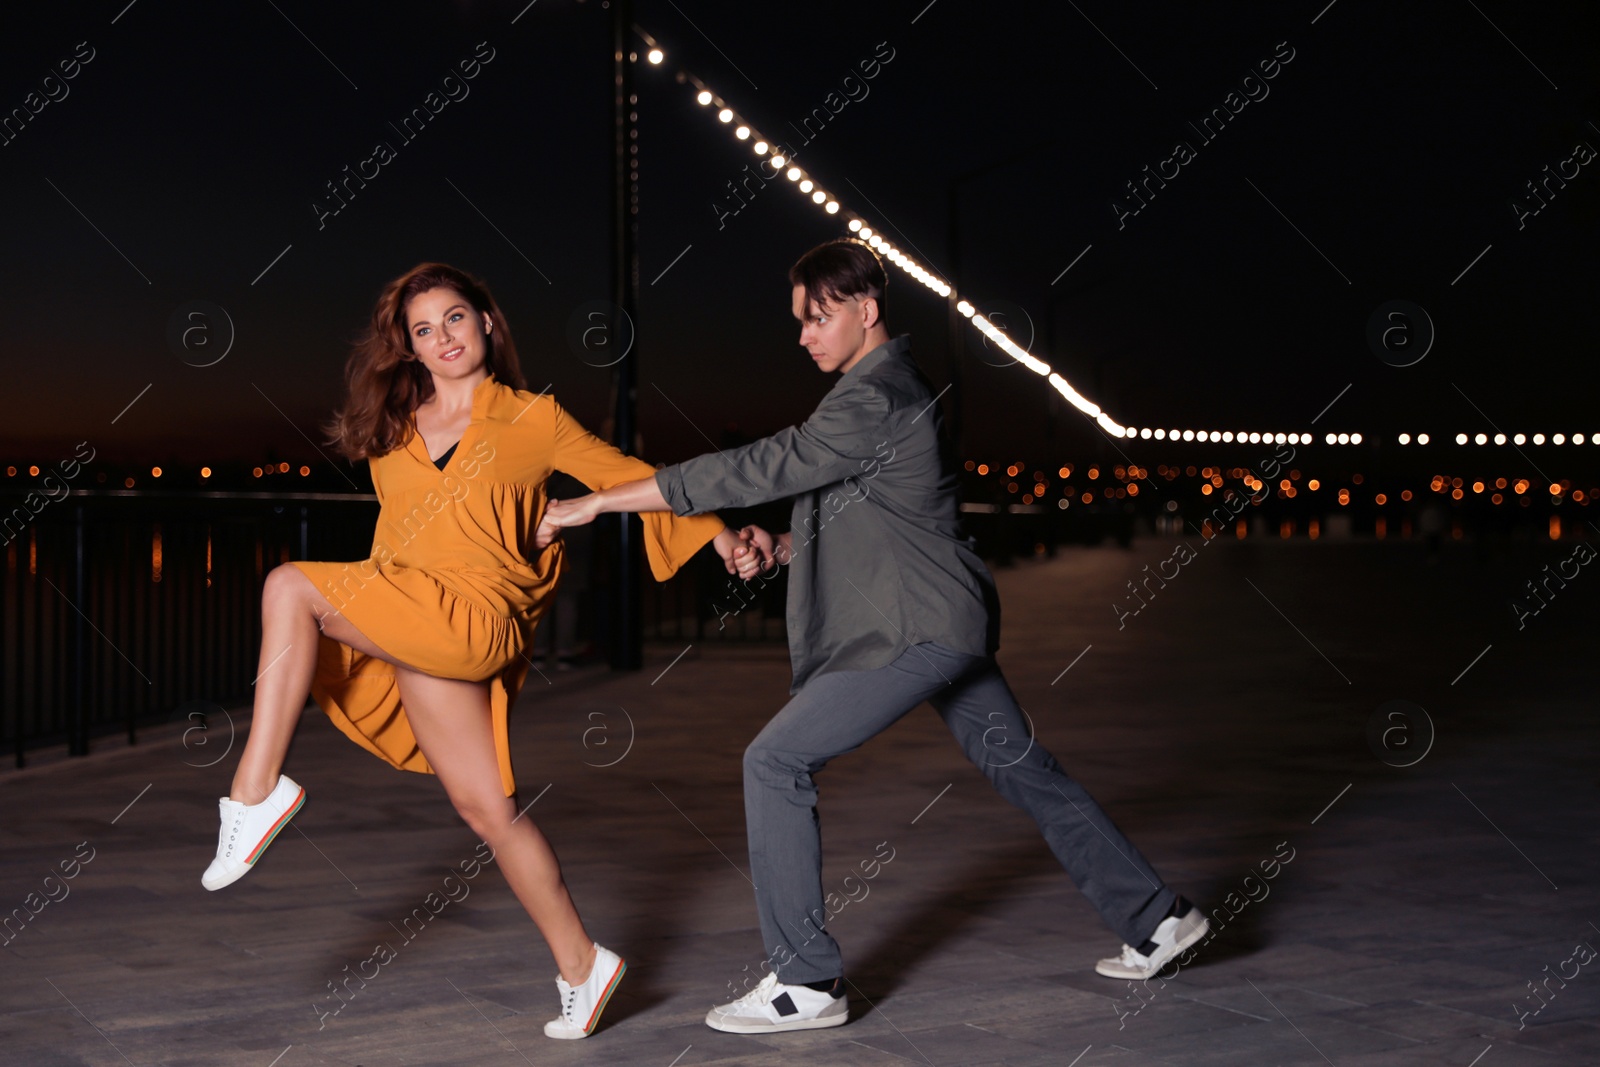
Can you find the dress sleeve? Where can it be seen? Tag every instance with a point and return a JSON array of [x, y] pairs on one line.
[[835, 442], [670, 541]]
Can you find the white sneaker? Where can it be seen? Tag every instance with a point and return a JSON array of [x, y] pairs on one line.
[[1182, 928], [247, 830], [773, 1006], [582, 1004]]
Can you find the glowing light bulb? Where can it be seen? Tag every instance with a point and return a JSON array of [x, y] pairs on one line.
[[793, 174], [833, 207], [743, 133], [761, 148], [656, 55], [725, 115], [778, 161], [1461, 438], [855, 225], [1405, 439], [1422, 438], [704, 97]]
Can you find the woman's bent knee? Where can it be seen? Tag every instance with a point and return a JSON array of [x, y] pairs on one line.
[[488, 817], [285, 581]]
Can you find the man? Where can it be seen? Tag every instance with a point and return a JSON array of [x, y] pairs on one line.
[[888, 606]]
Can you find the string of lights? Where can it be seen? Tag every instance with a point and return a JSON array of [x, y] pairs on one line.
[[1517, 439], [808, 185]]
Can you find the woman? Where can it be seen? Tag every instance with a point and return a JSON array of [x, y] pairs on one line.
[[418, 652]]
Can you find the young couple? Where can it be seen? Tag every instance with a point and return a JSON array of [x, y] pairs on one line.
[[889, 607]]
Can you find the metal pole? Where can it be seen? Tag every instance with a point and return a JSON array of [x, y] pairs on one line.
[[78, 735], [627, 649]]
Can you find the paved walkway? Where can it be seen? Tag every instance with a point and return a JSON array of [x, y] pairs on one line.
[[1224, 725]]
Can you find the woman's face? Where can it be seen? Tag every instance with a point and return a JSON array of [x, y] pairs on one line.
[[448, 336]]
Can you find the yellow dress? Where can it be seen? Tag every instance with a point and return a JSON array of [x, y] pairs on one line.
[[454, 586]]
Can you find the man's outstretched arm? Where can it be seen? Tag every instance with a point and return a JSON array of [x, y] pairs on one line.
[[740, 553]]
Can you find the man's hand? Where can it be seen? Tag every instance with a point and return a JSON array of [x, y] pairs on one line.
[[739, 555], [766, 546], [576, 512]]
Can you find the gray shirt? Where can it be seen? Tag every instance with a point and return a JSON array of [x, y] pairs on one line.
[[880, 562]]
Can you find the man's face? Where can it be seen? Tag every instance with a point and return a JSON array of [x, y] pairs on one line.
[[834, 333]]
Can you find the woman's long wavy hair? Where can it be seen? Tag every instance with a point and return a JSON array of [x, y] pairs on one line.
[[385, 380]]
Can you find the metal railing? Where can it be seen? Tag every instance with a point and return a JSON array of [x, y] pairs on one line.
[[120, 609]]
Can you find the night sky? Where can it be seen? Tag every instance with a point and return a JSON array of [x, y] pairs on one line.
[[1386, 153]]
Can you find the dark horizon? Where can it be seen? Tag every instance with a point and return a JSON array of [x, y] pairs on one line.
[[1388, 156]]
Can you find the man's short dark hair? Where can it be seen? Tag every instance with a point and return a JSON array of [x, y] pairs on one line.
[[841, 270]]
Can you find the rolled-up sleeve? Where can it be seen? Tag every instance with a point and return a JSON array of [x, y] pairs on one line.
[[828, 447]]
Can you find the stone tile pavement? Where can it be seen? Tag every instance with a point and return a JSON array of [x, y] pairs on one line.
[[1238, 717]]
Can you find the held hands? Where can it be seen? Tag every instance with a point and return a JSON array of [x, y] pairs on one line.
[[545, 534], [559, 514], [746, 552], [579, 511]]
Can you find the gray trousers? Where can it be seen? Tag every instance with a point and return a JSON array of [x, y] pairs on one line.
[[838, 712]]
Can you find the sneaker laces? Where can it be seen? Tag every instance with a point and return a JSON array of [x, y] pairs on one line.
[[1132, 957], [232, 833], [761, 994]]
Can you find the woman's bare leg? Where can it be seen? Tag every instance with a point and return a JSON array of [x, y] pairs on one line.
[[451, 721], [294, 614]]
